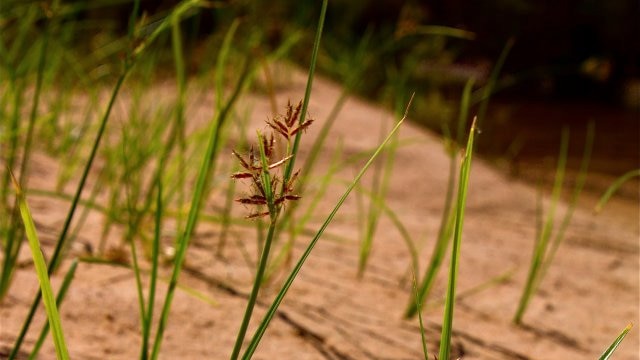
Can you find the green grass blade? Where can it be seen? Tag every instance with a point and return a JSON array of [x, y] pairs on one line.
[[155, 254], [66, 282], [420, 322], [255, 340], [447, 322], [614, 187], [614, 345], [43, 277]]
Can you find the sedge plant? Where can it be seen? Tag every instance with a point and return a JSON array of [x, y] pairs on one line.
[[257, 336]]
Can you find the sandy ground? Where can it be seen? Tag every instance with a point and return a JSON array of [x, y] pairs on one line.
[[591, 291]]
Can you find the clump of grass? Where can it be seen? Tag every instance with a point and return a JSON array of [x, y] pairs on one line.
[[131, 56], [271, 189], [545, 247]]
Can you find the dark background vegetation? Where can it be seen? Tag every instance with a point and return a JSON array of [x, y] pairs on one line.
[[572, 61]]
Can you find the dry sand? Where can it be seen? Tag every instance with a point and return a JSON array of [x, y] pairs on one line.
[[591, 291]]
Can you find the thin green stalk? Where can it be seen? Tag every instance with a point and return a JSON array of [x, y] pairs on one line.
[[447, 322], [43, 277], [255, 340], [264, 257], [66, 282], [155, 254], [307, 93], [607, 353], [420, 322]]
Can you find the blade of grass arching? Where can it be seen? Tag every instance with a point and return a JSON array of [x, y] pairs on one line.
[[155, 254], [540, 248], [582, 177], [66, 282], [255, 340], [307, 94], [43, 277], [448, 214], [614, 187], [614, 345], [447, 322], [206, 169]]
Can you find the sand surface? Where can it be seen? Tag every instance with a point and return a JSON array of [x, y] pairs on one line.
[[590, 293]]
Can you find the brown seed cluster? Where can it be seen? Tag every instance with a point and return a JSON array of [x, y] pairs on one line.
[[287, 127]]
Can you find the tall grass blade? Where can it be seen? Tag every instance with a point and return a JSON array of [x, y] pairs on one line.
[[307, 93], [447, 322], [614, 345], [255, 340], [155, 254], [43, 277]]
